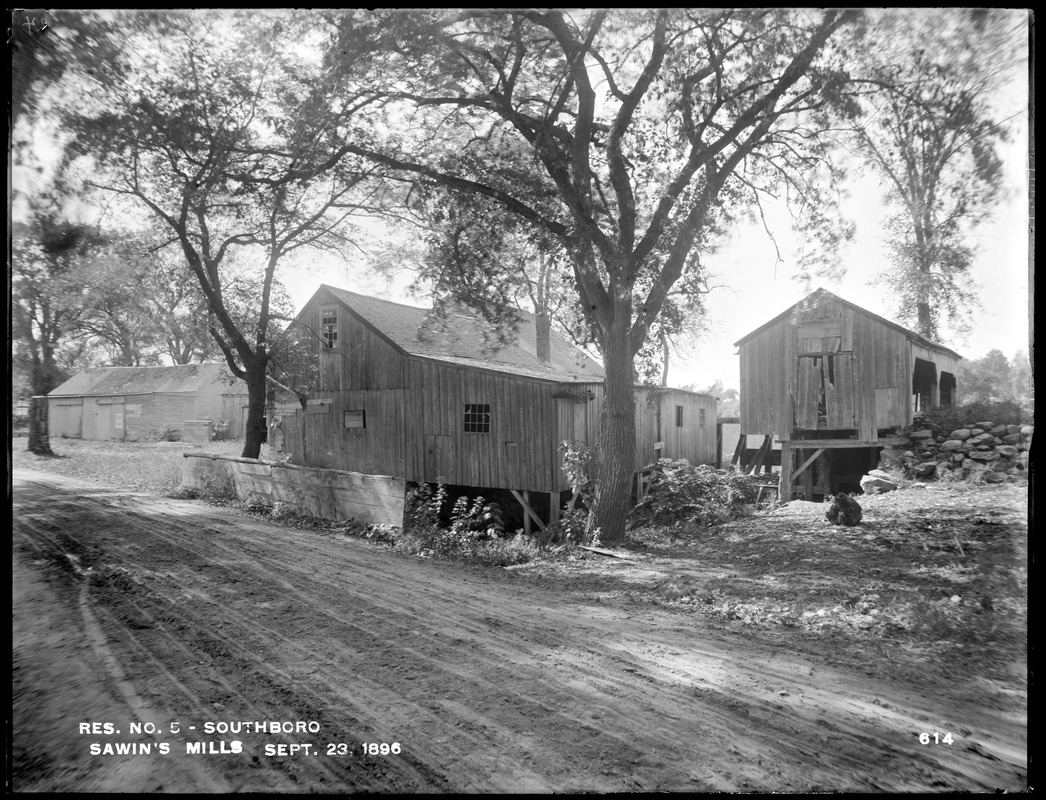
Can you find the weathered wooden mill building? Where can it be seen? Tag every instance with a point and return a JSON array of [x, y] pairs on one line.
[[396, 390], [832, 381]]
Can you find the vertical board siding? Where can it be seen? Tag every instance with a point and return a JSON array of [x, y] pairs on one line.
[[415, 410]]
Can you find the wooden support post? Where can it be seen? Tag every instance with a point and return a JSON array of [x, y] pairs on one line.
[[526, 517], [739, 451], [768, 460], [760, 454], [529, 513], [553, 507], [784, 485]]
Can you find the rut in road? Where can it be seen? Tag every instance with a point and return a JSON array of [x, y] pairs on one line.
[[488, 683]]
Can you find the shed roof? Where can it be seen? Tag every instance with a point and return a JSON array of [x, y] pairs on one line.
[[464, 338], [823, 294], [189, 378]]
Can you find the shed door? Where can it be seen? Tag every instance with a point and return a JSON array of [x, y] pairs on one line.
[[824, 392]]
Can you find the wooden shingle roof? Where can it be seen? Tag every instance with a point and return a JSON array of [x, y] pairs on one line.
[[106, 381], [462, 337]]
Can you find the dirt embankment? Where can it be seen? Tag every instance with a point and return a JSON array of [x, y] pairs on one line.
[[131, 608]]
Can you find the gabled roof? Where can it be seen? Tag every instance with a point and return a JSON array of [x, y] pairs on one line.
[[465, 338], [823, 294], [106, 381]]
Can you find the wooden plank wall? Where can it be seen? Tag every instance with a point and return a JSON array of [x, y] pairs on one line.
[[779, 390], [419, 434], [65, 416], [154, 413], [363, 358], [768, 381], [693, 441]]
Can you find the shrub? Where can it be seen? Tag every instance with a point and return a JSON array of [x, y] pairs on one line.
[[474, 532], [945, 419], [680, 492], [219, 429], [167, 435], [571, 528], [580, 463], [218, 489]]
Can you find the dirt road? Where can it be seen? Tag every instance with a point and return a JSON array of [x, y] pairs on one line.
[[132, 608]]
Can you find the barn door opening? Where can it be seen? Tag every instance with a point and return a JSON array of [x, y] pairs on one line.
[[824, 392]]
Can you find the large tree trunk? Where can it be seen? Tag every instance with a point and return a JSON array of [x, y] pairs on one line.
[[39, 440], [255, 431], [617, 440]]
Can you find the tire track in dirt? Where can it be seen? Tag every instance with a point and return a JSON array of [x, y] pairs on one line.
[[483, 668]]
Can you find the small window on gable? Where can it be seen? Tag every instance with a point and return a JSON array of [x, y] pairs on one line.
[[477, 418], [355, 419], [329, 327], [701, 417], [679, 416]]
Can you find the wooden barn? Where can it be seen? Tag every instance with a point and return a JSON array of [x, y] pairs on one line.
[[134, 403], [832, 382], [400, 391]]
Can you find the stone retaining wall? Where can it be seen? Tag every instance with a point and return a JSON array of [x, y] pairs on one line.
[[994, 453]]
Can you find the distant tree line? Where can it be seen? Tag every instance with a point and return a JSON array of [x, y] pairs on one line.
[[993, 378]]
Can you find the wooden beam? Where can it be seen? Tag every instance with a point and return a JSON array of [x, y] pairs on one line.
[[811, 444], [553, 507], [760, 455], [602, 552], [741, 442], [528, 511], [807, 463], [784, 485]]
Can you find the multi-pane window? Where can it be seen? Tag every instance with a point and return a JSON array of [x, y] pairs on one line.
[[329, 327], [477, 418], [355, 419], [679, 416]]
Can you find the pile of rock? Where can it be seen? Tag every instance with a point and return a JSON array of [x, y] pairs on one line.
[[995, 453]]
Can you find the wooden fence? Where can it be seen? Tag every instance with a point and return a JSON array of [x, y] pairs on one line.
[[324, 493]]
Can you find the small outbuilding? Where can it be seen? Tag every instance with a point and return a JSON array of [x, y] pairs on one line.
[[833, 382], [134, 403], [401, 391]]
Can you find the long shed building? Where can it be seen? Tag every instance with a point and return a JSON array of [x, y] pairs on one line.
[[403, 391], [133, 403], [831, 381]]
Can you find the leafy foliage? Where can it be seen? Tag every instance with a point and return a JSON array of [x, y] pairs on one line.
[[932, 131], [221, 129], [945, 419], [995, 378], [681, 494], [631, 139]]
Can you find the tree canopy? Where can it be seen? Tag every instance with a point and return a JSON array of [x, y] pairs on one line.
[[632, 138], [931, 130], [221, 129]]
